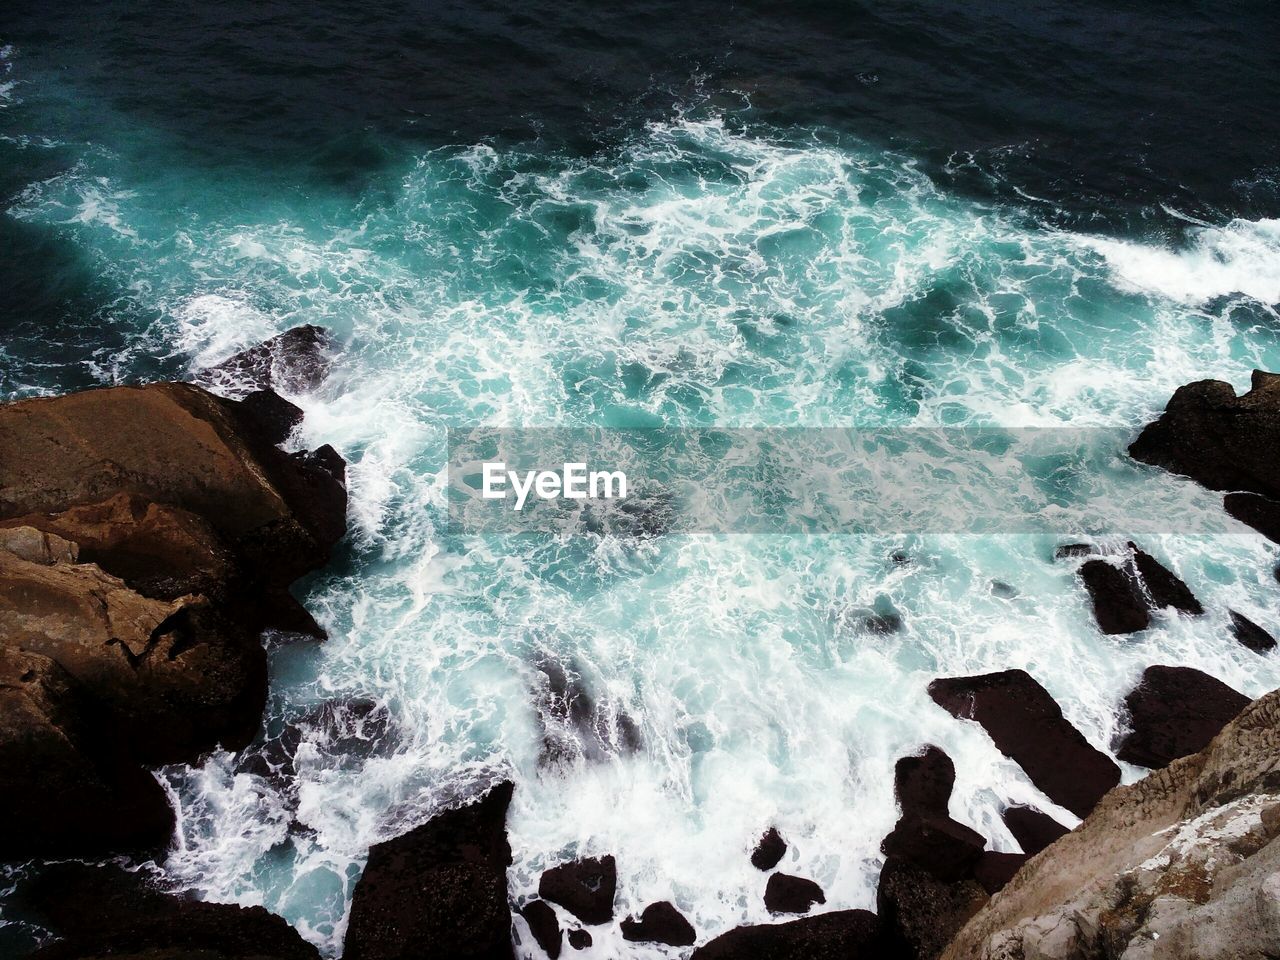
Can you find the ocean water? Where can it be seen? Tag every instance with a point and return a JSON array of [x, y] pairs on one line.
[[830, 217]]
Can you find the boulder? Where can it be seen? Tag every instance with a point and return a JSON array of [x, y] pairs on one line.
[[1180, 865], [1175, 712], [65, 787], [1119, 605], [1261, 513], [660, 923], [923, 783], [1250, 635], [1033, 829], [341, 733], [579, 939], [840, 935], [1164, 586], [295, 361], [994, 869], [583, 887], [1028, 727], [787, 894], [438, 891], [920, 913], [272, 416], [544, 925], [769, 851], [106, 911], [1220, 440], [937, 844]]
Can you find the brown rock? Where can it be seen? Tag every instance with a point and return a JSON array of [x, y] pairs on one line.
[[1175, 712], [660, 923], [994, 870], [923, 783], [1033, 829], [839, 935], [583, 887], [1028, 727], [1164, 586]]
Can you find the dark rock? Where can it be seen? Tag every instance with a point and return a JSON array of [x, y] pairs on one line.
[[544, 926], [922, 783], [344, 732], [270, 414], [994, 869], [945, 848], [919, 913], [1118, 603], [787, 894], [1261, 513], [1165, 587], [438, 891], [880, 624], [1175, 712], [1028, 727], [1033, 829], [900, 556], [1222, 441], [296, 361], [64, 789], [660, 923], [102, 911], [574, 726], [579, 939], [1250, 635], [840, 935], [769, 851], [583, 887], [1005, 591], [1069, 551]]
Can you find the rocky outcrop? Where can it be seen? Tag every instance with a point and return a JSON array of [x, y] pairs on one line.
[[1182, 864], [545, 927], [438, 892], [769, 851], [295, 361], [1028, 727], [660, 923], [574, 726], [583, 887], [1033, 829], [1126, 589], [147, 536], [840, 935], [1174, 712], [787, 894], [105, 911], [1250, 635]]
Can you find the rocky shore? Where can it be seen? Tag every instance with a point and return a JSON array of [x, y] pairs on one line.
[[149, 536]]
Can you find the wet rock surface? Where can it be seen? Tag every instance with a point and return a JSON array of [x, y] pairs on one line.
[[295, 361], [1175, 712], [1250, 635], [545, 927], [583, 887], [839, 935], [787, 894], [1118, 602], [1033, 829], [769, 851], [660, 923]]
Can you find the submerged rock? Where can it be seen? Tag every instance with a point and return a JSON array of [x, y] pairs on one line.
[[1179, 865], [660, 923], [1033, 829], [1069, 551], [1250, 635], [544, 925], [296, 361], [574, 726], [583, 887], [1118, 602], [839, 935], [1175, 712], [438, 891], [1005, 591], [105, 911], [579, 939], [787, 894], [1028, 727], [769, 851]]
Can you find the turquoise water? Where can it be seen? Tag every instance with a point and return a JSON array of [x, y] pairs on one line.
[[705, 269]]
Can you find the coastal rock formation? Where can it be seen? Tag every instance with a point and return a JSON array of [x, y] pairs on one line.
[[105, 911], [545, 927], [438, 891], [1175, 712], [1180, 865], [1033, 829], [918, 913], [787, 894], [660, 923], [769, 851], [1164, 587], [1029, 728], [583, 887], [579, 939], [147, 535], [575, 726], [296, 361], [1250, 635], [1124, 592], [1261, 513], [840, 935]]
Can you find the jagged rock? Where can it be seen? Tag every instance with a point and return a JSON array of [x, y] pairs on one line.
[[573, 725], [787, 894], [769, 851], [583, 887], [1165, 587], [296, 361], [1118, 602], [1250, 635], [438, 891], [918, 912], [660, 923], [29, 543], [923, 783], [65, 789], [342, 732], [1180, 865], [175, 678], [1033, 829], [579, 939], [994, 869], [271, 415], [1261, 513], [1069, 551], [106, 911], [1028, 727], [839, 935], [1175, 712], [544, 926]]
